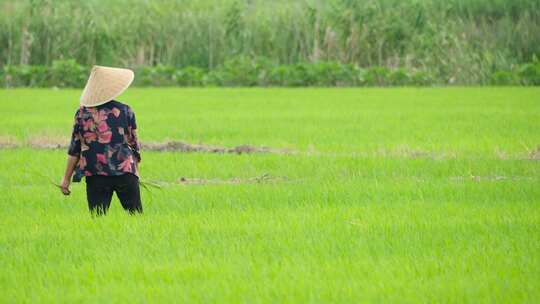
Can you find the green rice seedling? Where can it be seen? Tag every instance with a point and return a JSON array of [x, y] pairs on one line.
[[381, 195]]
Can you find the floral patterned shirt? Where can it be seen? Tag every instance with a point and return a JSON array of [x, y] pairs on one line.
[[105, 139]]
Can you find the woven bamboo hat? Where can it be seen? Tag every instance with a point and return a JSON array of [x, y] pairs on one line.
[[104, 84]]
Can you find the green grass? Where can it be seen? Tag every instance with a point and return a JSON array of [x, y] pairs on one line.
[[393, 195]]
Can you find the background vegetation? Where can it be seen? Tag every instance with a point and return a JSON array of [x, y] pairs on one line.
[[418, 42]]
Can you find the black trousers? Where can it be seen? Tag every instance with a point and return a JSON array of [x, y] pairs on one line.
[[99, 191]]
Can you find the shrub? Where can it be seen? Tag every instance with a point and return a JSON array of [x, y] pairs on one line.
[[68, 73], [162, 75], [190, 76], [422, 78], [244, 71], [278, 75], [400, 77], [40, 77], [529, 74], [334, 74], [241, 71], [12, 76], [143, 76], [377, 76], [291, 75], [159, 75], [214, 78], [504, 78], [300, 75], [26, 76]]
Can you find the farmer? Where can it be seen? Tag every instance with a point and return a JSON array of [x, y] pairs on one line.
[[104, 145]]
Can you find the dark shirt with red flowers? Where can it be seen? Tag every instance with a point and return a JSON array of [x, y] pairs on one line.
[[105, 138]]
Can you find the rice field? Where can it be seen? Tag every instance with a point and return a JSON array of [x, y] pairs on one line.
[[362, 195]]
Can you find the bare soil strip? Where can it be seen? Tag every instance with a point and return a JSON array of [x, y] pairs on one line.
[[47, 142], [403, 151], [179, 146], [535, 154], [232, 181], [170, 146], [489, 178], [7, 142], [189, 181]]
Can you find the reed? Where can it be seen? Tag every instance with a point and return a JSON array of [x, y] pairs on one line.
[[458, 40]]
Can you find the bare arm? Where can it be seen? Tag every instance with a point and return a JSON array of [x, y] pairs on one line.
[[74, 153], [133, 140], [70, 167]]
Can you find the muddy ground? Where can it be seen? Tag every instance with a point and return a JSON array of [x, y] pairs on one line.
[[44, 142], [170, 146]]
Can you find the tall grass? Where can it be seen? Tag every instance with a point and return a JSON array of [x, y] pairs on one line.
[[462, 41]]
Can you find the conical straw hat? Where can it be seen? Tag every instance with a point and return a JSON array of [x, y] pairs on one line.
[[104, 84]]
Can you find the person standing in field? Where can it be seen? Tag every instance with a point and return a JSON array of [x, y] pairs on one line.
[[104, 146]]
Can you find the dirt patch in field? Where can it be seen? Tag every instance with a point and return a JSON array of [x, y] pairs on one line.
[[179, 146], [264, 179], [36, 142], [7, 142], [44, 142], [408, 152], [489, 178], [535, 154], [47, 142]]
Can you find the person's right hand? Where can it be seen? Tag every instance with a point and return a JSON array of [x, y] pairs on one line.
[[64, 187]]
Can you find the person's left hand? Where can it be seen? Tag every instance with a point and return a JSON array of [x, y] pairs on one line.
[[64, 187]]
